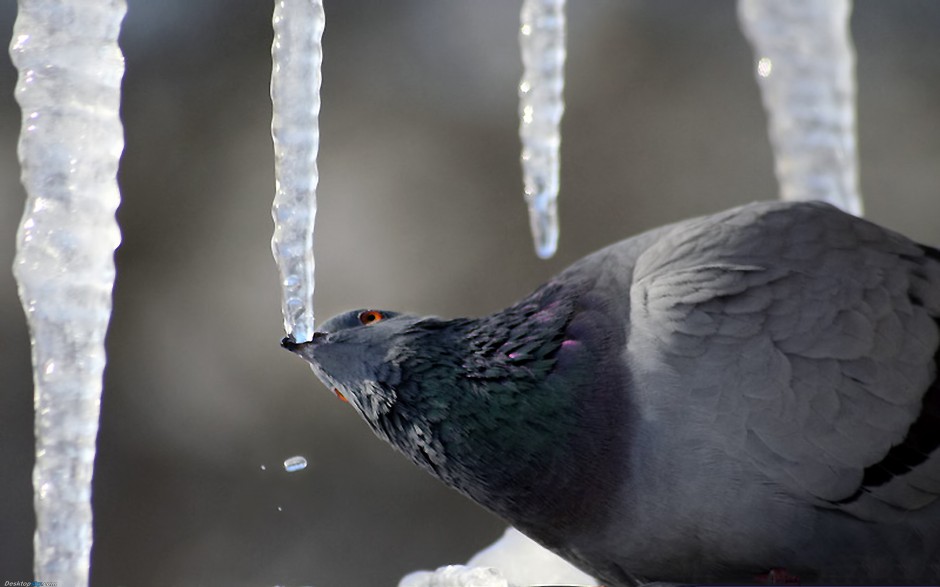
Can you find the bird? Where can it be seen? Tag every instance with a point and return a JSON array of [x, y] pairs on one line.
[[746, 395]]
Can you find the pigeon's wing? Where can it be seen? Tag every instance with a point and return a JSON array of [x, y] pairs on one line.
[[802, 340]]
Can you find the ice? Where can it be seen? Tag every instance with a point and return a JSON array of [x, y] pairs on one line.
[[541, 105], [523, 561], [456, 576], [70, 70], [295, 94], [514, 559], [295, 464], [806, 72]]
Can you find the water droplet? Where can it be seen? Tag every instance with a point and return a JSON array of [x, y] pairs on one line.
[[765, 66], [295, 464]]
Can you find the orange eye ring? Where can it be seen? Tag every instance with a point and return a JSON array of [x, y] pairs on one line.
[[370, 317]]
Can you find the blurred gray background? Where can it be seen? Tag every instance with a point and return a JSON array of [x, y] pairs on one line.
[[421, 210]]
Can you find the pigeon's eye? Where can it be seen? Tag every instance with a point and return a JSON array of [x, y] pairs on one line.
[[370, 316]]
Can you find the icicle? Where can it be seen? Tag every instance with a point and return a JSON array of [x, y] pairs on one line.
[[70, 70], [542, 40], [295, 93], [806, 72]]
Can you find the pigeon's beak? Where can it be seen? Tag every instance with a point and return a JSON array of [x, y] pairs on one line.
[[298, 347]]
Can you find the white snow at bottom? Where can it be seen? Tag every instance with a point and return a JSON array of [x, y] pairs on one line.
[[512, 561]]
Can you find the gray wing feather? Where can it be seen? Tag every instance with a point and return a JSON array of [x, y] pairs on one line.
[[796, 337]]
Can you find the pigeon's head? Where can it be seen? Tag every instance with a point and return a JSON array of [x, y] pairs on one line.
[[409, 369], [354, 354]]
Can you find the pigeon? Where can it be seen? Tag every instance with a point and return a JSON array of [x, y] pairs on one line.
[[747, 396]]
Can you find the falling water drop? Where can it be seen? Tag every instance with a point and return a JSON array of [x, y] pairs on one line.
[[293, 464]]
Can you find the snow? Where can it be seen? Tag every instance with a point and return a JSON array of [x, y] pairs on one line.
[[512, 561], [806, 72], [541, 105], [456, 576], [70, 70], [295, 95]]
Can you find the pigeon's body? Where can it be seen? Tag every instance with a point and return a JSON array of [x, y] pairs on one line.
[[707, 401]]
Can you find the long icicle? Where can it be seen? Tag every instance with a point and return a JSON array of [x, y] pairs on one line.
[[541, 105], [71, 139], [806, 72], [295, 94]]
